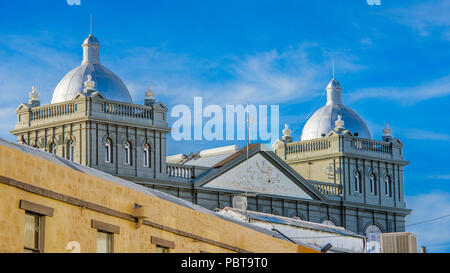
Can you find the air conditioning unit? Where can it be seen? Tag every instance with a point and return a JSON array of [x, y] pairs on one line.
[[398, 242], [240, 202]]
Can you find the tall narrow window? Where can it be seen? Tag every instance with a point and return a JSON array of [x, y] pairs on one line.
[[387, 185], [127, 151], [373, 189], [147, 156], [108, 151], [357, 182], [52, 148], [70, 150], [33, 233], [104, 242]]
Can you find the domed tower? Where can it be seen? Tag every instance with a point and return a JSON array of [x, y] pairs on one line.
[[322, 121], [337, 155], [92, 120], [108, 84]]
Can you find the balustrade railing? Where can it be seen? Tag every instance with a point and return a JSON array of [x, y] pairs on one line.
[[311, 146], [327, 188], [50, 111], [127, 110], [371, 146], [180, 171]]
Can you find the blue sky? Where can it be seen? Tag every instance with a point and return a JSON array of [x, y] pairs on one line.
[[392, 61]]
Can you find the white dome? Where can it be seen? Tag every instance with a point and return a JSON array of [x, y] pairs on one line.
[[107, 83], [323, 120]]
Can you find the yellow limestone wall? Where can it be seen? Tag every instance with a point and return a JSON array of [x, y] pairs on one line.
[[72, 223]]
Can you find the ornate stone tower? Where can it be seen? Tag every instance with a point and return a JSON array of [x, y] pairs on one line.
[[93, 121], [337, 154]]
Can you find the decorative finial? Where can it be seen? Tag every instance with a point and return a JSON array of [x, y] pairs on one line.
[[34, 95], [339, 123], [149, 94], [90, 25], [387, 131], [286, 134], [287, 131], [89, 85]]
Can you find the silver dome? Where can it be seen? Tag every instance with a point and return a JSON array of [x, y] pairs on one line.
[[323, 120], [108, 84]]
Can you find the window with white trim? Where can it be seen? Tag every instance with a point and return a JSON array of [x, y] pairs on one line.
[[388, 186], [127, 151], [108, 150], [147, 162], [372, 184], [357, 180]]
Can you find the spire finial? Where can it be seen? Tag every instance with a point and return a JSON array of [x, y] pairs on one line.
[[332, 66], [90, 25]]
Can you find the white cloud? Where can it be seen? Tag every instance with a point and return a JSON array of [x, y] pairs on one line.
[[73, 2], [269, 77], [419, 134], [426, 17], [405, 95], [28, 61], [436, 234]]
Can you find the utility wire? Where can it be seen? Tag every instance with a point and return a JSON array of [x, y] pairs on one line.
[[429, 220], [310, 113]]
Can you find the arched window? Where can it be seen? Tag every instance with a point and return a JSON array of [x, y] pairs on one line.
[[373, 239], [357, 182], [127, 150], [108, 151], [70, 150], [147, 156], [52, 148], [388, 186], [328, 222], [373, 185]]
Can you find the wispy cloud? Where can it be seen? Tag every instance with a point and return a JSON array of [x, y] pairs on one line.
[[426, 17], [405, 95], [73, 2], [28, 61], [435, 234], [440, 176], [275, 76], [409, 133]]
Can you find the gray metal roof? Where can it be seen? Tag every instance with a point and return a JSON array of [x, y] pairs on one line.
[[271, 218], [96, 173], [208, 161]]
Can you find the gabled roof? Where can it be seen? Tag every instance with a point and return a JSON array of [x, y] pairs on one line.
[[259, 148]]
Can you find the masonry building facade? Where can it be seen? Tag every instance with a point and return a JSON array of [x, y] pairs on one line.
[[336, 173]]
